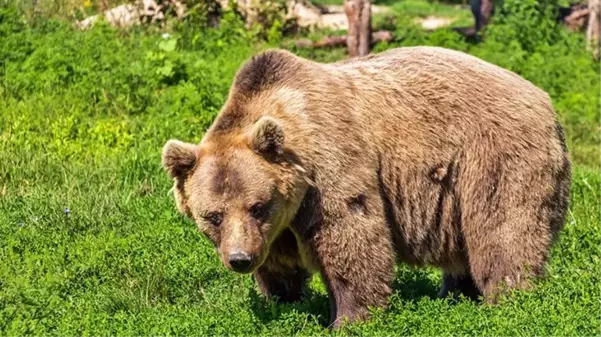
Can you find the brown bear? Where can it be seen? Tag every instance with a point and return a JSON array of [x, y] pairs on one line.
[[419, 155]]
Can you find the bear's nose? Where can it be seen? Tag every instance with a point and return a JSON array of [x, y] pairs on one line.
[[240, 261]]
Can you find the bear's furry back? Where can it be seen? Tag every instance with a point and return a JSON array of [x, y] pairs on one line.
[[458, 152]]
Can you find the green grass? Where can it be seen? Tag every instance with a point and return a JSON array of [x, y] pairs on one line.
[[462, 16], [83, 117]]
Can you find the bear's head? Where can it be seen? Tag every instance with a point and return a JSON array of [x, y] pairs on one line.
[[242, 189]]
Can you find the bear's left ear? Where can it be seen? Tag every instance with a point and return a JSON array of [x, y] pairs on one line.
[[267, 136]]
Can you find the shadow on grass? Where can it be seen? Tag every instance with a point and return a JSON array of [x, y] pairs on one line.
[[407, 285], [312, 303], [411, 284], [469, 34]]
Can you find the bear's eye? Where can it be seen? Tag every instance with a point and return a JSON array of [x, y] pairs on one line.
[[214, 218], [258, 210]]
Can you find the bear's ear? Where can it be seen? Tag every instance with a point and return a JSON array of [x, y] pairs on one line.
[[179, 157], [267, 136]]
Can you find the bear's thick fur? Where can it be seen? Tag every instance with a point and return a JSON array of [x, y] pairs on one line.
[[421, 155]]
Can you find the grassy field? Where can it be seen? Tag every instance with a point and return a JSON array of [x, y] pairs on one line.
[[91, 243]]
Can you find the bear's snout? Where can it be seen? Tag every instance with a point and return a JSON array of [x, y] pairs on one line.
[[240, 261]]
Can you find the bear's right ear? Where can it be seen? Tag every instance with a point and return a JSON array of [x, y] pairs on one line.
[[267, 136], [179, 157]]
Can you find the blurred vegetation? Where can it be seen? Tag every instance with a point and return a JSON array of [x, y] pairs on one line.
[[91, 243]]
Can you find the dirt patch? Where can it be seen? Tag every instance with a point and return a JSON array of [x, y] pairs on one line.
[[433, 22]]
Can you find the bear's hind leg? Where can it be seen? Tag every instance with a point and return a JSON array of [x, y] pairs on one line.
[[510, 256], [512, 208], [497, 275]]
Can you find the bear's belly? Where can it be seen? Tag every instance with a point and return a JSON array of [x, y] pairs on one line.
[[424, 216]]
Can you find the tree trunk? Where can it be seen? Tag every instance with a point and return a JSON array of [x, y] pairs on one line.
[[482, 11], [359, 26], [592, 31]]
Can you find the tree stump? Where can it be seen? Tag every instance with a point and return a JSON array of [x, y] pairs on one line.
[[482, 11], [359, 26]]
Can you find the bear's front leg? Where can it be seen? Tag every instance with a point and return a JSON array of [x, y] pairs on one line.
[[356, 258], [281, 275]]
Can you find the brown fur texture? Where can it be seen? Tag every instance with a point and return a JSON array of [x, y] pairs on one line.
[[347, 168]]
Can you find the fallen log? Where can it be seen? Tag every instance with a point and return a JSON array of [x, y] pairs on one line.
[[340, 41], [575, 16], [577, 19]]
